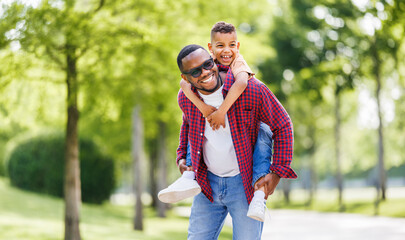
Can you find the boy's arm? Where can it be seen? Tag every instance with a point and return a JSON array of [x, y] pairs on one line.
[[217, 118], [205, 109]]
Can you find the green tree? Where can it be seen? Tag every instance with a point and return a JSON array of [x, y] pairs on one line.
[[59, 32]]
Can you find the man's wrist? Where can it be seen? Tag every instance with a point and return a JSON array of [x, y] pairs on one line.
[[272, 172], [178, 161]]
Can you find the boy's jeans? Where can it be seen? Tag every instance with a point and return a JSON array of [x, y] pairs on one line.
[[207, 219], [261, 155]]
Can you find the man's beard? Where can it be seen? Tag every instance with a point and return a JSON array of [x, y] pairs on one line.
[[219, 83]]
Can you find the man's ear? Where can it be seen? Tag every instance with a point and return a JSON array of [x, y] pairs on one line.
[[183, 76]]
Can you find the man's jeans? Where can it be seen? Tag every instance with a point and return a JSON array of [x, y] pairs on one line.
[[207, 219], [262, 153]]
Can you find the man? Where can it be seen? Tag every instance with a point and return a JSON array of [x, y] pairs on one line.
[[222, 159]]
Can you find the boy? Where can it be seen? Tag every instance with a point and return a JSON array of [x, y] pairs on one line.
[[224, 48]]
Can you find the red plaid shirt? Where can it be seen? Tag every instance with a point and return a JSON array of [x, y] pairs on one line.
[[257, 103]]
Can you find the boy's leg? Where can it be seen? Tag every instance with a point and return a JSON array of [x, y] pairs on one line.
[[184, 187], [207, 218], [188, 174], [188, 155], [236, 202], [262, 154]]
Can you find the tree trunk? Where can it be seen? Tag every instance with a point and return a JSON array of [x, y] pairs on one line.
[[138, 155], [153, 168], [286, 190], [312, 168], [162, 166], [339, 179], [381, 168], [72, 166]]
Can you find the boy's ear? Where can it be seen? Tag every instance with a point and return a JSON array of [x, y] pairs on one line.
[[210, 47], [238, 45]]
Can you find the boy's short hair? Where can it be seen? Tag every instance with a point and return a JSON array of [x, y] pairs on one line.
[[222, 27], [185, 52]]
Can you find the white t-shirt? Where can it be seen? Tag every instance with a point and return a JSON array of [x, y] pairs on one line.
[[219, 152]]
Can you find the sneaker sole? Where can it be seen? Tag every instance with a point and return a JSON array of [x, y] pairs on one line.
[[176, 196], [256, 218]]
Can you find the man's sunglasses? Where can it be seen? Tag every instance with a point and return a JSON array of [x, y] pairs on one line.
[[196, 72]]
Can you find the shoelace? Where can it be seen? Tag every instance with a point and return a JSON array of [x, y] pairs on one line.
[[267, 213], [267, 224]]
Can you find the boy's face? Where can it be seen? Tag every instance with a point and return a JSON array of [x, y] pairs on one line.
[[224, 47]]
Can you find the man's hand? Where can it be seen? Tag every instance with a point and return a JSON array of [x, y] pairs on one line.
[[183, 167], [269, 182], [216, 120]]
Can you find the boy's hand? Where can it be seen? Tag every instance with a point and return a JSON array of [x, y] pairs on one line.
[[207, 110], [216, 120], [183, 167]]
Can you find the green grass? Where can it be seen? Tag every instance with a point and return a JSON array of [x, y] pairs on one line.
[[30, 216], [360, 201]]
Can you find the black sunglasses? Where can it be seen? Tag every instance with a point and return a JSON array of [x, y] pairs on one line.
[[196, 72]]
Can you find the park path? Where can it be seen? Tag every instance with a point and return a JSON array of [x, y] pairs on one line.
[[309, 225]]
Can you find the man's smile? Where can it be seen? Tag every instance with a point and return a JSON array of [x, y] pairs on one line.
[[208, 79]]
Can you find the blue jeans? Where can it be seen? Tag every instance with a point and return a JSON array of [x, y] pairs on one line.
[[207, 218], [188, 156], [262, 153]]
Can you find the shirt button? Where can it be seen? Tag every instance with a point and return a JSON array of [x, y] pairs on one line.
[[198, 152], [201, 134]]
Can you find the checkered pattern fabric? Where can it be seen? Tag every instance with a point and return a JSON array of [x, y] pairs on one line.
[[257, 103]]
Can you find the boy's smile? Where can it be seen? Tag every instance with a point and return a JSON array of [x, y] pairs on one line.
[[225, 47]]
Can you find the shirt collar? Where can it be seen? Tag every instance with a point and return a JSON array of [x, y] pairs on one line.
[[229, 79]]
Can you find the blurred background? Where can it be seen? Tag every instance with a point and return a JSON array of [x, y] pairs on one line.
[[100, 77]]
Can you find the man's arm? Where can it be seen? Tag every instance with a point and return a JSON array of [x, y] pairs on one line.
[[183, 139], [273, 114]]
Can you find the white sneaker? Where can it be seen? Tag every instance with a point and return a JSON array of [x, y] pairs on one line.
[[257, 209], [181, 189]]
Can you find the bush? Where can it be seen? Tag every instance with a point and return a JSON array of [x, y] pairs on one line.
[[38, 165]]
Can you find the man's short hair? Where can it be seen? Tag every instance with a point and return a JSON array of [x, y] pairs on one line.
[[185, 52], [222, 27]]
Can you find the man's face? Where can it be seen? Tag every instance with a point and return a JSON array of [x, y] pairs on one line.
[[225, 47], [208, 81]]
